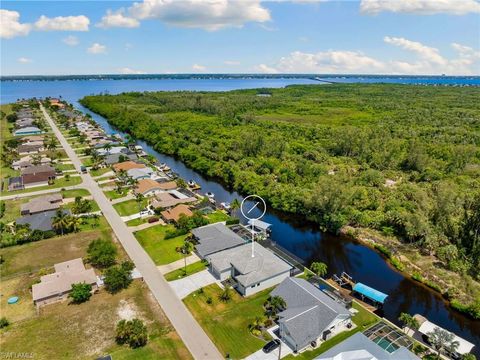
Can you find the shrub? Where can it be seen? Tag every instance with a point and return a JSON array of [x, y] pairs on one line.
[[397, 264], [417, 277], [102, 253], [383, 250], [170, 234], [4, 322], [232, 221], [209, 300], [118, 277], [80, 293], [133, 333]]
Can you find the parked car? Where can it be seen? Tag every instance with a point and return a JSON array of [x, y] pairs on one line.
[[83, 169], [272, 345]]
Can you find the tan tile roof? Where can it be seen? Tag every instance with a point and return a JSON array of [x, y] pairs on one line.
[[165, 200], [67, 273], [174, 214], [128, 165], [145, 185]]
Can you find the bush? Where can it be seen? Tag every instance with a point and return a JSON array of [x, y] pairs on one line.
[[417, 277], [102, 253], [232, 221], [133, 333], [80, 293], [383, 250], [209, 300], [4, 322], [118, 277], [397, 264], [170, 234]]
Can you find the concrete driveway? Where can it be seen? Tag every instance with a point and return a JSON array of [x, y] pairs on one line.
[[191, 283], [260, 355]]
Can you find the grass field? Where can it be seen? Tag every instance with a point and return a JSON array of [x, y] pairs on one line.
[[114, 194], [227, 323], [87, 331], [130, 207], [75, 193], [160, 250], [64, 167], [191, 269], [100, 171]]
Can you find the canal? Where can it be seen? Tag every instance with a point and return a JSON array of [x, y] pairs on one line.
[[365, 265]]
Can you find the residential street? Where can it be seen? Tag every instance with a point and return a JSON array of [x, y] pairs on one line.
[[196, 340]]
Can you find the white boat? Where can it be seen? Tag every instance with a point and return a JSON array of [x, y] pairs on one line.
[[226, 206], [192, 183], [210, 195]]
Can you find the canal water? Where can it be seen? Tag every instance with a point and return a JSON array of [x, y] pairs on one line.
[[301, 238]]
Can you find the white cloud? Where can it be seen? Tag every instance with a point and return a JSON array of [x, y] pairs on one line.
[[97, 48], [425, 52], [62, 23], [70, 40], [24, 60], [127, 70], [198, 67], [206, 14], [426, 61], [231, 62], [420, 7], [10, 25], [118, 19], [262, 68]]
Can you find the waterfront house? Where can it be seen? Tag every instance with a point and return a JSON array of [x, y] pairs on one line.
[[173, 215], [360, 347], [127, 165], [149, 187], [250, 274], [56, 287], [140, 173], [37, 175], [41, 204], [113, 150], [115, 158], [165, 200], [31, 130], [310, 315], [213, 238]]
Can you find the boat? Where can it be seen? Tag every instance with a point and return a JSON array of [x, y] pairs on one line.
[[210, 195], [193, 185], [226, 206]]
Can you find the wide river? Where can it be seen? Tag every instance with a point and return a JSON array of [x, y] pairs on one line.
[[294, 234]]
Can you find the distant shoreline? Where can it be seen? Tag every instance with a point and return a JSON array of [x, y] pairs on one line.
[[315, 77]]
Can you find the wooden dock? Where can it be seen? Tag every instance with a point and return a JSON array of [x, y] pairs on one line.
[[349, 293]]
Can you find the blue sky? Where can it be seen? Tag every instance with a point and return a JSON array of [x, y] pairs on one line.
[[240, 36]]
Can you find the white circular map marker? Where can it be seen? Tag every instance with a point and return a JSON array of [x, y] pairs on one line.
[[248, 210]]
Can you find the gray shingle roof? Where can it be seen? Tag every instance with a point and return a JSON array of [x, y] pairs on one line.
[[309, 311], [215, 237], [359, 347], [41, 221], [262, 266]]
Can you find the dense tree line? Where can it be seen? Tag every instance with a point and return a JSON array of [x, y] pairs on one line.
[[404, 160]]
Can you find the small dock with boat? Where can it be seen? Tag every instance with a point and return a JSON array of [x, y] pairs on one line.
[[370, 298]]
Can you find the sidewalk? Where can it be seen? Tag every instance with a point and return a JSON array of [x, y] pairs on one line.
[[165, 269]]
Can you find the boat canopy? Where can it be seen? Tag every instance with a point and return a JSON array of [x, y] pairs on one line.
[[370, 293], [464, 346], [260, 224]]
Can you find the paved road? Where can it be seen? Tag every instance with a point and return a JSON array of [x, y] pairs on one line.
[[196, 340], [40, 192]]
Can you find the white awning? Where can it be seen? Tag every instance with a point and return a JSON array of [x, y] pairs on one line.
[[464, 346]]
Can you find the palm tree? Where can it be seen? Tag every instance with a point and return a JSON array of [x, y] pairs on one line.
[[235, 205], [186, 250], [442, 340], [52, 144], [95, 218], [256, 327], [319, 268], [73, 223], [226, 295], [139, 197], [408, 321], [108, 147], [274, 305], [60, 221]]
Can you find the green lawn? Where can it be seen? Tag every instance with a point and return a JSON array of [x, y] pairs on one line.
[[75, 193], [64, 167], [191, 269], [130, 207], [87, 331], [59, 183], [136, 222], [114, 194], [100, 171], [87, 161], [217, 216], [160, 250], [227, 323], [363, 319]]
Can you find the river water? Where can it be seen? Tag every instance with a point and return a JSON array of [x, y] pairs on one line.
[[294, 234]]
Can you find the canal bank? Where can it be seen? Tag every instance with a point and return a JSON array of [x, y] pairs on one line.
[[340, 253]]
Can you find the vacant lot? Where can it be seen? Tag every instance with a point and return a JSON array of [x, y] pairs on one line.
[[87, 330], [130, 207], [227, 323], [160, 250]]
